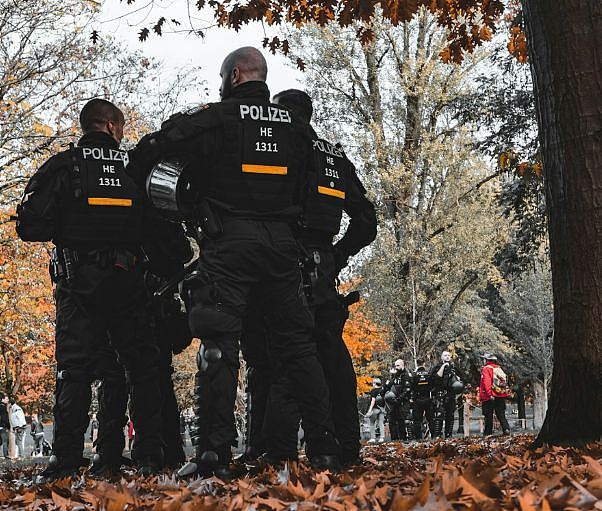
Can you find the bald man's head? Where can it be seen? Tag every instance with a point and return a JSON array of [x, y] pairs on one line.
[[243, 65]]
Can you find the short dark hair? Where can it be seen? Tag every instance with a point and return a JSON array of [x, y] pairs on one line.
[[96, 112], [297, 101], [420, 362]]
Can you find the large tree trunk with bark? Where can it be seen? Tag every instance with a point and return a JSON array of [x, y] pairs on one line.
[[565, 50], [540, 402]]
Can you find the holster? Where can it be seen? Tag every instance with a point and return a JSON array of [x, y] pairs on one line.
[[208, 219], [63, 264], [309, 264]]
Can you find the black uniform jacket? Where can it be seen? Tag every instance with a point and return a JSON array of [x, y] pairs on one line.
[[38, 214], [361, 230], [214, 144]]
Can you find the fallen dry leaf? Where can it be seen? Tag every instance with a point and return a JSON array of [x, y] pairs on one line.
[[460, 475]]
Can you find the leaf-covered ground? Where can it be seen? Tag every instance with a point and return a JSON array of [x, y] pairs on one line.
[[472, 474]]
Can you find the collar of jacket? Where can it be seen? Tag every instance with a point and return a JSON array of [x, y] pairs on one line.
[[98, 139], [250, 90]]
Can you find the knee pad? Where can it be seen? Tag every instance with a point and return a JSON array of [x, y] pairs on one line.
[[208, 356]]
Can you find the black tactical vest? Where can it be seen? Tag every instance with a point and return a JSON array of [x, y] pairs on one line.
[[105, 205], [422, 386], [327, 186], [256, 169]]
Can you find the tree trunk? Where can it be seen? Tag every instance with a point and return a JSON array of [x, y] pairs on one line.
[[565, 47], [539, 403], [520, 405]]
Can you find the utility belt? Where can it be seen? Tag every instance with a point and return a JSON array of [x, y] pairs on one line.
[[422, 397], [65, 261], [314, 238], [213, 218]]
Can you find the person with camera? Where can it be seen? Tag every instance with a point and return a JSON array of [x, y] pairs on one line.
[[446, 385]]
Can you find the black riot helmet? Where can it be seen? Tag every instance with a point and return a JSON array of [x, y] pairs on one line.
[[457, 387], [298, 101]]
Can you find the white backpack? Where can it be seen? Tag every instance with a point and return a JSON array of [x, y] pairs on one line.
[[499, 384]]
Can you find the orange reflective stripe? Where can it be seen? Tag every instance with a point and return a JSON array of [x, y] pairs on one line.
[[264, 169], [331, 191], [106, 201]]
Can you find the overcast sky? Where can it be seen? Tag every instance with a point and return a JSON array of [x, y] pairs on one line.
[[182, 49]]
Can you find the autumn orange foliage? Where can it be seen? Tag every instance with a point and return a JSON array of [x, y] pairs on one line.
[[364, 340], [26, 320], [517, 45]]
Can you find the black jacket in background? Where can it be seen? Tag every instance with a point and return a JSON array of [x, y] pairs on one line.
[[4, 422]]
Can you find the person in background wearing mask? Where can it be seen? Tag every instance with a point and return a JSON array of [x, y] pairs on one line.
[[444, 377], [397, 397]]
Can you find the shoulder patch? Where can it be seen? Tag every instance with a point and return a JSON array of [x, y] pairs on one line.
[[197, 109]]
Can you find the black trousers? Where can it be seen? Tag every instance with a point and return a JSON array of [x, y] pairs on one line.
[[252, 257], [397, 417], [444, 407], [102, 307], [497, 405], [262, 371], [277, 428], [113, 398], [420, 410]]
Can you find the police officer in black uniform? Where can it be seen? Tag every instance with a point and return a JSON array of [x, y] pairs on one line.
[[443, 377], [421, 398], [332, 187], [167, 249], [397, 396], [247, 165], [83, 201]]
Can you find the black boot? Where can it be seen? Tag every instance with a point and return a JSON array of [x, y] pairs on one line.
[[149, 462], [322, 452], [322, 462], [348, 459], [251, 455], [108, 466], [60, 468], [207, 464]]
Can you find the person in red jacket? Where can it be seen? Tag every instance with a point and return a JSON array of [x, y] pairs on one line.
[[493, 391]]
